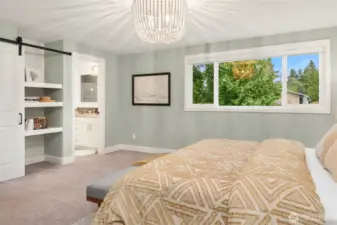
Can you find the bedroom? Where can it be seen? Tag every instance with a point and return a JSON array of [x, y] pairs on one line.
[[216, 34]]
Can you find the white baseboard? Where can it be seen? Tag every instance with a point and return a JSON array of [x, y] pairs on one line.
[[137, 148], [71, 159], [49, 158], [59, 160], [34, 159], [114, 148]]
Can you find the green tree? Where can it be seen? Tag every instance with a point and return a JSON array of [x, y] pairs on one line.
[[293, 74], [203, 84], [293, 83], [299, 73], [260, 88], [310, 81]]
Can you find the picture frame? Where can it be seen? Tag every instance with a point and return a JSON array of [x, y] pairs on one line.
[[151, 89]]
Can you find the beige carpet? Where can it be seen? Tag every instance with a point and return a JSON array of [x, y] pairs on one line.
[[55, 195]]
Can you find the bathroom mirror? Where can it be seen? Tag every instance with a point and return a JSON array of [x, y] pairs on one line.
[[89, 87]]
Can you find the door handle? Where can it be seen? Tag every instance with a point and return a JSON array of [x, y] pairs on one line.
[[20, 122]]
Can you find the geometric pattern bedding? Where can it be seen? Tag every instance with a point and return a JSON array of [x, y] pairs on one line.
[[275, 187], [218, 182]]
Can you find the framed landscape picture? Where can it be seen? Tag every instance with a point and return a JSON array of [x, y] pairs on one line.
[[151, 89]]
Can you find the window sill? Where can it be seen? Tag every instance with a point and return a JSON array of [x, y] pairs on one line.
[[311, 109]]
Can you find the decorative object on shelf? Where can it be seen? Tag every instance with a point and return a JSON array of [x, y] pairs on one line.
[[86, 112], [29, 124], [151, 89], [31, 75], [159, 21], [38, 99], [32, 99], [36, 123], [46, 99], [40, 123]]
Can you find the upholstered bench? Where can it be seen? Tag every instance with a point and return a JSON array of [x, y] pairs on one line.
[[99, 188]]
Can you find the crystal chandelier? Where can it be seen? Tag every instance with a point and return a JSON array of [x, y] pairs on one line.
[[159, 21]]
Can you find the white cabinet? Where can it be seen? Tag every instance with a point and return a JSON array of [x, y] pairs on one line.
[[88, 132]]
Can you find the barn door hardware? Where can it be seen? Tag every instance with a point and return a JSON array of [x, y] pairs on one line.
[[19, 42]]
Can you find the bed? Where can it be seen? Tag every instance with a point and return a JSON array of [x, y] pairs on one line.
[[216, 181]]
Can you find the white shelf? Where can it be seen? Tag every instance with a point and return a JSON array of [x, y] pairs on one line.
[[43, 104], [42, 85], [50, 130]]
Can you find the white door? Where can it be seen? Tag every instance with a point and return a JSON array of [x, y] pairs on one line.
[[12, 150]]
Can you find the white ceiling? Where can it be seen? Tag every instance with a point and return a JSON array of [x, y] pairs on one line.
[[107, 24]]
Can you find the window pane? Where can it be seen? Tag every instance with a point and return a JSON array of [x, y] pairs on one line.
[[250, 83], [303, 79], [203, 81]]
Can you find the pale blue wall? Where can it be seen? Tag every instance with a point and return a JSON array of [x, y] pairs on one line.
[[8, 30], [171, 127]]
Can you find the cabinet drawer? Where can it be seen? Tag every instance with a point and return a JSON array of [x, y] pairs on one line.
[[87, 120]]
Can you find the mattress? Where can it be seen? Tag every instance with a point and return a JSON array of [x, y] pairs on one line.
[[326, 187], [216, 181]]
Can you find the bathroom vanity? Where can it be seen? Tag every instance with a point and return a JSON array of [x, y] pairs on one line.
[[89, 107]]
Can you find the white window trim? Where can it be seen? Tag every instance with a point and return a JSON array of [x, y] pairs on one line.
[[322, 47]]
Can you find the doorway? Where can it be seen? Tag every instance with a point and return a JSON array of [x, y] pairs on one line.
[[88, 105]]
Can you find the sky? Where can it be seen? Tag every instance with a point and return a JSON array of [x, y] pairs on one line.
[[296, 61]]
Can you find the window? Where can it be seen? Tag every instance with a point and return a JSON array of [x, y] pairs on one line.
[[303, 79], [283, 78], [203, 83]]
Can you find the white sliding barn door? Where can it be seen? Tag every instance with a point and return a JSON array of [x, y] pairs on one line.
[[12, 149]]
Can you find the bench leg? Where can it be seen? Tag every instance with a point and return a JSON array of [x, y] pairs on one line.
[[95, 200]]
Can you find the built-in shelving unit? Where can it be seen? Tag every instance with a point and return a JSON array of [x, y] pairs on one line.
[[43, 78], [43, 104], [42, 85], [49, 130]]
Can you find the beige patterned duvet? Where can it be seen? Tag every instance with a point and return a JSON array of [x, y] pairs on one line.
[[218, 182]]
